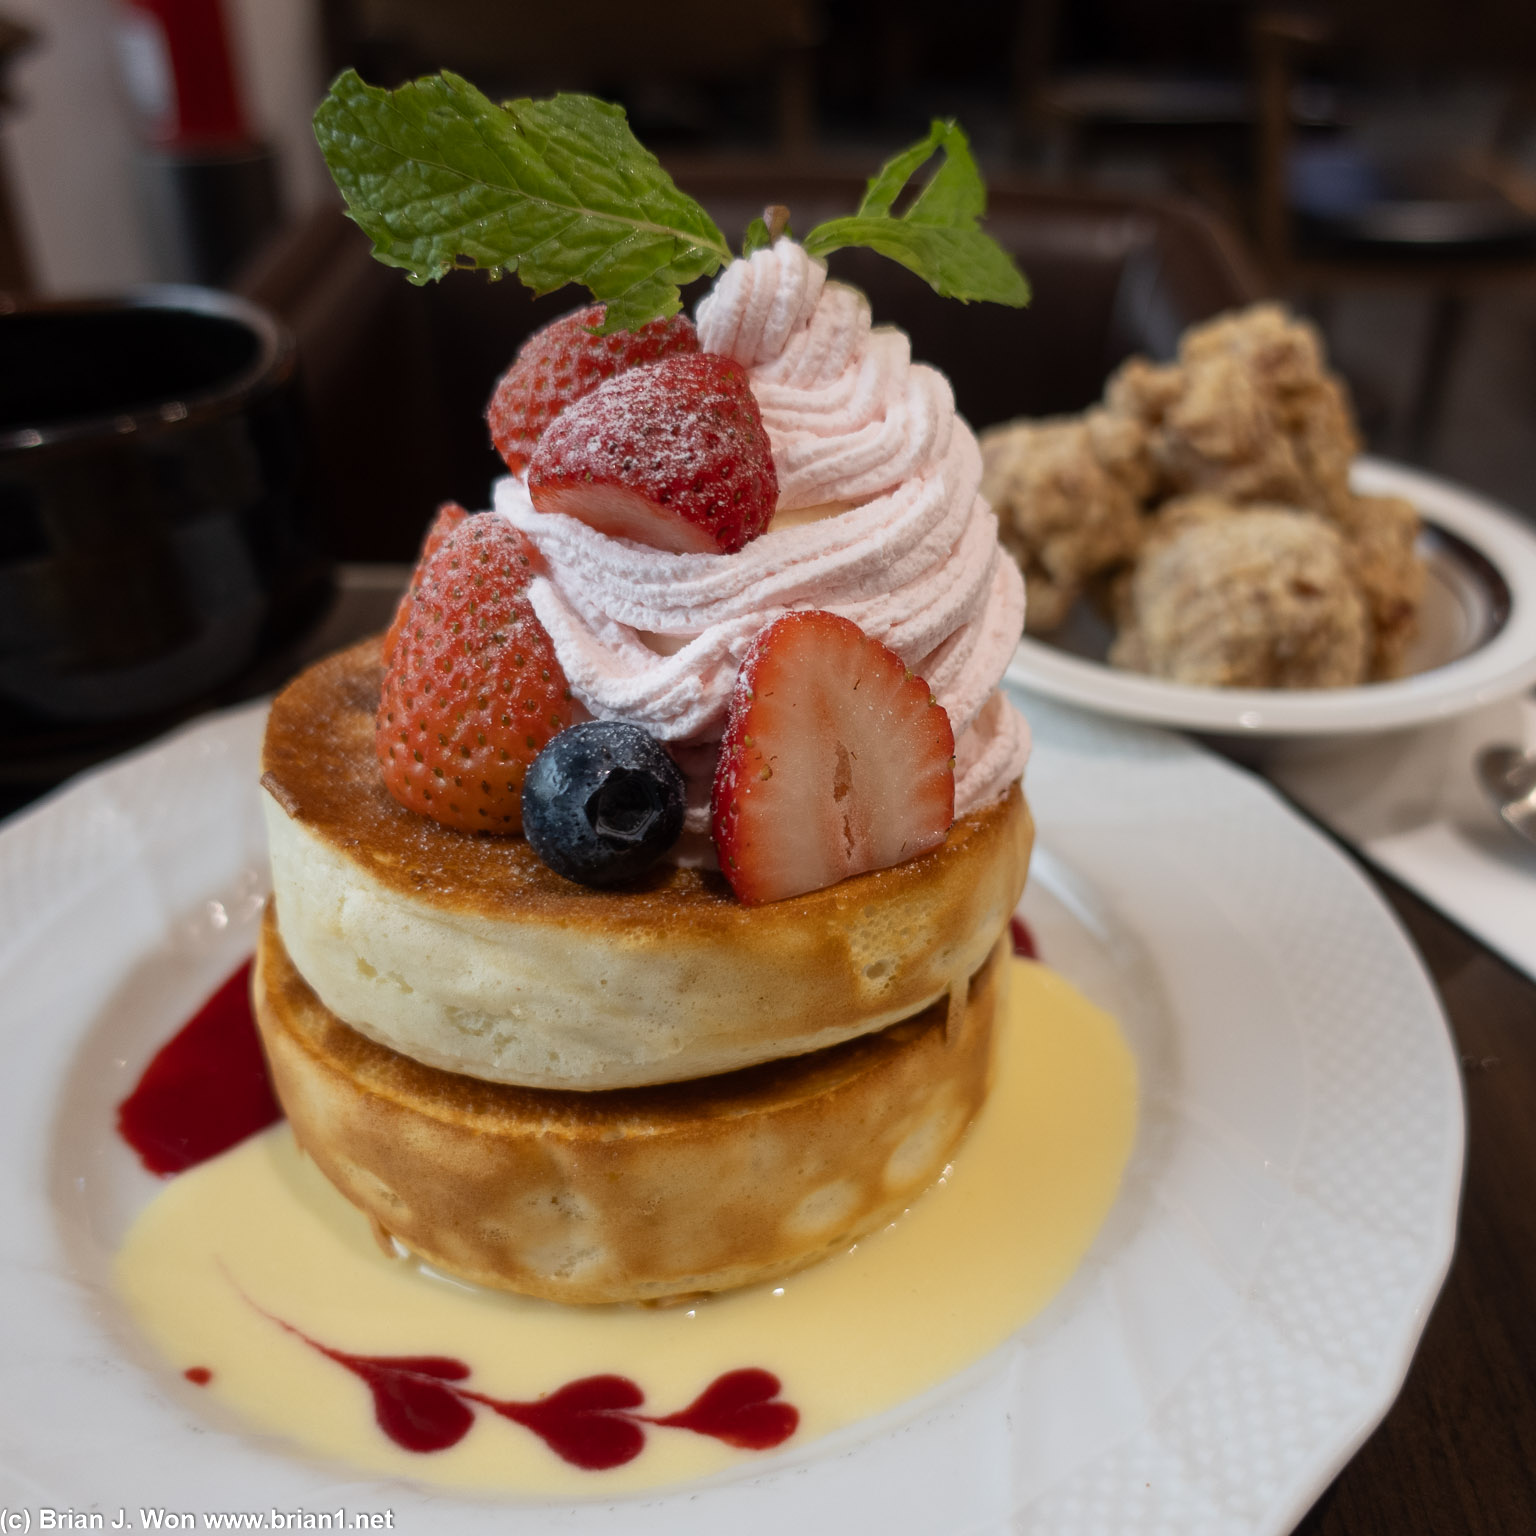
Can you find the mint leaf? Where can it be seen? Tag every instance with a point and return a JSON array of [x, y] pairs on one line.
[[886, 184], [938, 237], [557, 191], [964, 264], [757, 237], [955, 194]]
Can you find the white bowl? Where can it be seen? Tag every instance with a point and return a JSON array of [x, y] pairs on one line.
[[1477, 640]]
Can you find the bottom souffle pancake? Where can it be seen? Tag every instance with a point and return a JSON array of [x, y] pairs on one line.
[[262, 1286], [466, 952], [639, 1194]]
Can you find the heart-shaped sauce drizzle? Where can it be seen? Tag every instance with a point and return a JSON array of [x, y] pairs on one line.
[[422, 1404], [742, 1408], [207, 1089]]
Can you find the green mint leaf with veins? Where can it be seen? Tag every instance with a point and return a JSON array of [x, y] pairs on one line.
[[560, 191], [557, 191], [938, 237]]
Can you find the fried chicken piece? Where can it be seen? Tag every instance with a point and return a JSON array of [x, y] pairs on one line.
[[1319, 587], [1221, 436], [1111, 594], [1285, 354], [1285, 358], [1180, 512], [1258, 597], [1322, 428], [1000, 446], [1381, 532], [1143, 390], [1064, 512], [1046, 602], [1173, 517], [1208, 429], [1122, 448], [1248, 412]]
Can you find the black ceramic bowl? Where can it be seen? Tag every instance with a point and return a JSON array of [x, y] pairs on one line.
[[156, 539]]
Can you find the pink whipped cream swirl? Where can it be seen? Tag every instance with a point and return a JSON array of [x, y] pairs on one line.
[[893, 533]]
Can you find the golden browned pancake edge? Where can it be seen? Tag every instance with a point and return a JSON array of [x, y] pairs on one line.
[[468, 953], [642, 1194]]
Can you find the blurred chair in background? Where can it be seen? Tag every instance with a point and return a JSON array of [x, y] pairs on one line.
[[1129, 93], [653, 56], [1352, 210]]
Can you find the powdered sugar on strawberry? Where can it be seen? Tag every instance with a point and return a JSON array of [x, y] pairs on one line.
[[911, 555]]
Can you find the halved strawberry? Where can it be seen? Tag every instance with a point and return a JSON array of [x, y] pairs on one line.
[[472, 689], [836, 760], [673, 454], [559, 364], [449, 515]]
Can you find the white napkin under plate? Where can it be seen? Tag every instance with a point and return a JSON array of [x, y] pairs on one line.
[[1411, 803]]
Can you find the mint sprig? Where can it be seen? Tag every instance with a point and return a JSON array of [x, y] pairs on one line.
[[939, 236], [558, 191], [561, 191]]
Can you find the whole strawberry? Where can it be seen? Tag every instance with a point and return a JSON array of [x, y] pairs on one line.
[[559, 364], [836, 761], [449, 515], [673, 454], [472, 690]]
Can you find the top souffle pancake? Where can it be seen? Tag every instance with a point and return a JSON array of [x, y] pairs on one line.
[[465, 952]]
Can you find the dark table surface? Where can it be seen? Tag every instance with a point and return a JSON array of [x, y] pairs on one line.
[[1457, 1451]]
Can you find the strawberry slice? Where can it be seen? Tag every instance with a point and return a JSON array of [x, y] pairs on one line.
[[449, 515], [673, 454], [472, 690], [836, 760], [559, 364]]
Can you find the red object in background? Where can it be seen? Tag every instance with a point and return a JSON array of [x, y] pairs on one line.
[[181, 73]]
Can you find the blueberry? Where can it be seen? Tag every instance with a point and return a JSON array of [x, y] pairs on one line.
[[602, 802]]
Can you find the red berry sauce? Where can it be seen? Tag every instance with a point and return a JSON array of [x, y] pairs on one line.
[[589, 1423], [206, 1089], [423, 1405], [1023, 939], [741, 1408]]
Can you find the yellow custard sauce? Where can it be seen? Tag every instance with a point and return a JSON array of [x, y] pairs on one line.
[[258, 1235]]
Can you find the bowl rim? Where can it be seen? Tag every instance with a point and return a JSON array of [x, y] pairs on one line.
[[273, 364]]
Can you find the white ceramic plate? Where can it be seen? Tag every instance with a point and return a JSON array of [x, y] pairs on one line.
[[1477, 641], [1244, 1319]]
